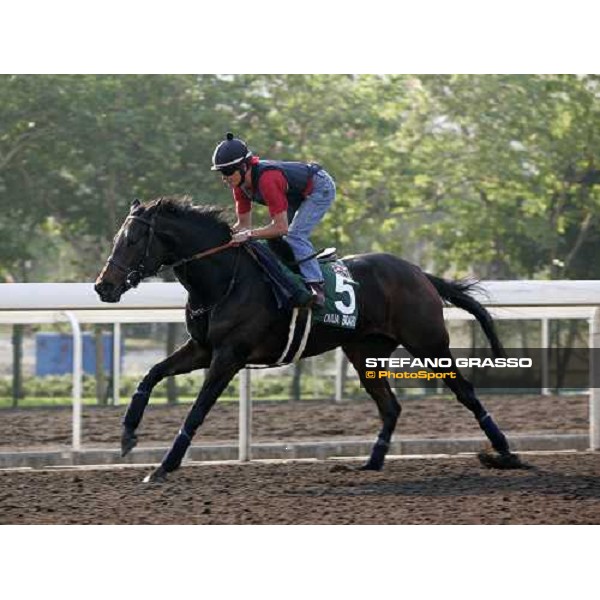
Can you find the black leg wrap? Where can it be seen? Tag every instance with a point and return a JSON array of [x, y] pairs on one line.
[[377, 457], [135, 410], [128, 441], [494, 434], [175, 455]]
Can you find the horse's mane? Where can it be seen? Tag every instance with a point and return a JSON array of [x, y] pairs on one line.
[[182, 206]]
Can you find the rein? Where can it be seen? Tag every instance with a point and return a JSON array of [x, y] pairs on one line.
[[199, 255]]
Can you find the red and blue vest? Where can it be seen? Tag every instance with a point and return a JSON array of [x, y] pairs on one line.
[[298, 176]]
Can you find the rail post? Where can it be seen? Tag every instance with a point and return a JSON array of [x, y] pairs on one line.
[[545, 357], [245, 442], [77, 373], [116, 366], [594, 349], [339, 375]]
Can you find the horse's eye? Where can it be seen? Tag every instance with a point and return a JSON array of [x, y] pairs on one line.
[[133, 235]]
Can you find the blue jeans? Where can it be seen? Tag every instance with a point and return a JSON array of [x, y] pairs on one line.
[[307, 217]]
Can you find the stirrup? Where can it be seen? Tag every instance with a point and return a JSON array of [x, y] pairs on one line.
[[327, 254], [324, 254]]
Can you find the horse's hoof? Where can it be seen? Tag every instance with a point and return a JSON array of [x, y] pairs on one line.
[[128, 442], [502, 461], [159, 475], [371, 466]]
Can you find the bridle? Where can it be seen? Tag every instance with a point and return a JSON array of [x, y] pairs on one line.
[[134, 275]]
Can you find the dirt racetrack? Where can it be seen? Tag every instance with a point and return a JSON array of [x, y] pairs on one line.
[[563, 488], [428, 417]]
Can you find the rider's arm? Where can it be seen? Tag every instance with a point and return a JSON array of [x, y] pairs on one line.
[[243, 210], [244, 221], [273, 188], [276, 228]]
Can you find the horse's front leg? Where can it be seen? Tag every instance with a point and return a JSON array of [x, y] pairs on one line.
[[187, 358], [224, 365]]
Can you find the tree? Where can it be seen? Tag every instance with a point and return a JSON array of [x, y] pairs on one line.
[[492, 174], [509, 156]]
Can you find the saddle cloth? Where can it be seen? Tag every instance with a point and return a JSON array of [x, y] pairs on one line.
[[290, 291], [341, 307]]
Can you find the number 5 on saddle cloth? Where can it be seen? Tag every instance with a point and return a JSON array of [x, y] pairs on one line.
[[289, 289]]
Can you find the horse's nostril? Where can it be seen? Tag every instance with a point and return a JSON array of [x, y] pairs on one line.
[[102, 288]]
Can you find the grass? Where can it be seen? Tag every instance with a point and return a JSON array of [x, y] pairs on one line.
[[56, 390]]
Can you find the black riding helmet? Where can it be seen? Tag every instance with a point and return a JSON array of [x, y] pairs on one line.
[[230, 155]]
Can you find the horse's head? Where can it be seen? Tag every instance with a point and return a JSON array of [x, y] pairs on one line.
[[154, 234], [138, 252]]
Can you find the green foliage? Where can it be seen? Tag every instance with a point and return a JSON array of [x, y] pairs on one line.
[[515, 201], [495, 175], [59, 387]]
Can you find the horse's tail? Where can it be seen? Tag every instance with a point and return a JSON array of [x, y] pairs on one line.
[[458, 293]]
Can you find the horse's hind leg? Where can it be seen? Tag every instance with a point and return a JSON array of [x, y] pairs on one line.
[[387, 403], [185, 359], [465, 394]]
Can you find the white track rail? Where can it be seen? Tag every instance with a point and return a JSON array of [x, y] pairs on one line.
[[164, 302]]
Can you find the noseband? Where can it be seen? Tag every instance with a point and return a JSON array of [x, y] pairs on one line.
[[134, 275]]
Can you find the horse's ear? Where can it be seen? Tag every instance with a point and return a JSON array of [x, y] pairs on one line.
[[135, 203]]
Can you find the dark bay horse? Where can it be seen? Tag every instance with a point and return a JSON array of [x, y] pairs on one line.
[[233, 320]]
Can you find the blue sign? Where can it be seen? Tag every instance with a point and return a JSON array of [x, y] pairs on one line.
[[54, 353]]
